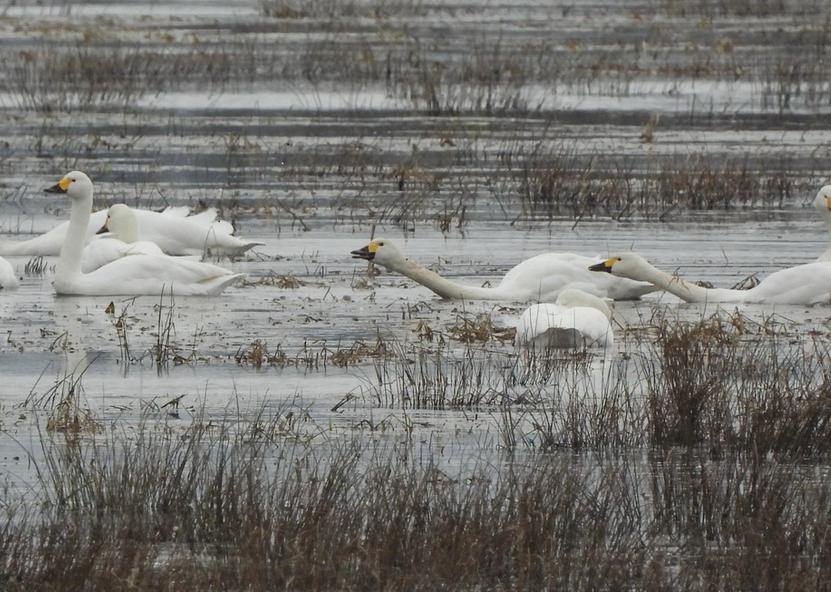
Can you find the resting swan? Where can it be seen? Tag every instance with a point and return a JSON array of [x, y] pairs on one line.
[[804, 284], [129, 276], [8, 279], [539, 278], [180, 233], [578, 319], [100, 251], [822, 203], [182, 236]]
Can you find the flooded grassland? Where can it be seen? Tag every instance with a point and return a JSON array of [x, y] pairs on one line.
[[319, 426]]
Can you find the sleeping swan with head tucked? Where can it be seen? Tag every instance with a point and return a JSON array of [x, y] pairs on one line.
[[128, 276], [577, 319]]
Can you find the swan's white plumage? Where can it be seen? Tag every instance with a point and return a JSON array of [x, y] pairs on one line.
[[577, 319], [8, 279], [803, 284], [822, 203], [130, 276], [179, 233], [182, 236], [540, 278], [98, 252]]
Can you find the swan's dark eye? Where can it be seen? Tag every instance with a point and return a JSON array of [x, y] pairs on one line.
[[381, 244]]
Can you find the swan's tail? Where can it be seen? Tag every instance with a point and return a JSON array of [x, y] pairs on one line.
[[216, 285]]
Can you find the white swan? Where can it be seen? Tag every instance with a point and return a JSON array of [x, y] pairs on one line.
[[577, 319], [8, 279], [213, 234], [131, 276], [100, 251], [539, 278], [822, 202], [182, 236], [803, 284]]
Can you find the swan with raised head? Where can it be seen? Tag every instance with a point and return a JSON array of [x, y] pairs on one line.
[[540, 278], [822, 202], [803, 284], [577, 319], [103, 250], [128, 276], [181, 233], [8, 279], [182, 236]]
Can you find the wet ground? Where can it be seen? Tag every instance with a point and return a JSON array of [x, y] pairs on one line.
[[308, 164]]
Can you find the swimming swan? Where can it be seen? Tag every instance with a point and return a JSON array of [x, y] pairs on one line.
[[539, 278], [8, 279], [822, 202], [100, 251], [577, 319], [132, 276], [214, 234], [803, 284], [178, 235]]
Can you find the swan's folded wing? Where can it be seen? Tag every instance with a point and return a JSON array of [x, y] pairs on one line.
[[176, 211], [100, 252], [159, 268]]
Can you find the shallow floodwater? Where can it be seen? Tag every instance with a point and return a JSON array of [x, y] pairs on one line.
[[309, 164]]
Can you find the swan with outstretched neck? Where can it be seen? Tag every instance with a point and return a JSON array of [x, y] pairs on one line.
[[540, 278], [803, 284], [128, 276], [577, 319]]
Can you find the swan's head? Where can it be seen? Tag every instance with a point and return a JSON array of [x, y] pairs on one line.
[[628, 265], [571, 297], [121, 222], [822, 202], [76, 185], [380, 251]]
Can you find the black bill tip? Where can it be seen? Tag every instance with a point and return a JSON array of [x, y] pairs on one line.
[[602, 266], [363, 254]]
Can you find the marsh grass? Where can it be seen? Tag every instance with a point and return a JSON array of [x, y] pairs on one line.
[[312, 356], [556, 179], [235, 505], [723, 383]]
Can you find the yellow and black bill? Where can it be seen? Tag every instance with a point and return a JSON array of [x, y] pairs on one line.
[[604, 265], [60, 187], [368, 252]]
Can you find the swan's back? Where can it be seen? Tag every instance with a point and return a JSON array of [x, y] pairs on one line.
[[179, 236], [553, 325], [50, 243], [149, 275], [101, 251], [542, 277], [803, 284]]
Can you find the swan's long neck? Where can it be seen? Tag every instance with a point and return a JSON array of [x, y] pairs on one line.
[[443, 286], [69, 263], [826, 215], [685, 290]]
